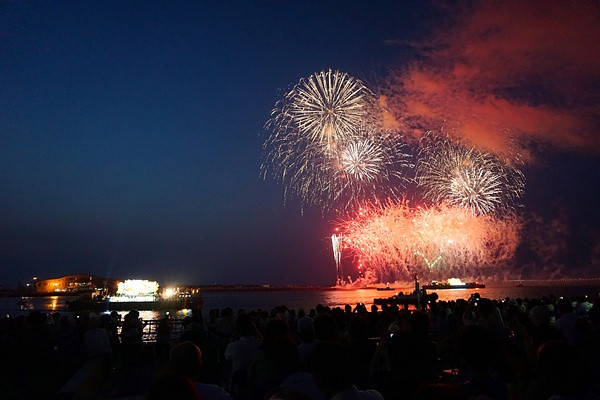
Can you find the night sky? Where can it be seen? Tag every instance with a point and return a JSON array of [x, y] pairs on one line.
[[131, 132]]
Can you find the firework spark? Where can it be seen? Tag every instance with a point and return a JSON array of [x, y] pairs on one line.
[[395, 240], [370, 168], [328, 148], [326, 108], [468, 178], [363, 159], [336, 244]]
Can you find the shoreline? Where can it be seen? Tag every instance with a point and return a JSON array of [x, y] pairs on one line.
[[282, 288]]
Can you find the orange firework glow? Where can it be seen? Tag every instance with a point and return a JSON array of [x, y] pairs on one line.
[[501, 75], [395, 240]]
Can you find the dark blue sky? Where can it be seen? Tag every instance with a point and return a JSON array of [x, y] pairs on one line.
[[131, 133]]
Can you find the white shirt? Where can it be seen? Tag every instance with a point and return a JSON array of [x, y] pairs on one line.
[[242, 351]]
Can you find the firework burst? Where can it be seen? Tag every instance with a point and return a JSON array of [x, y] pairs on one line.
[[371, 166], [328, 148], [326, 108], [363, 159], [395, 240], [467, 178]]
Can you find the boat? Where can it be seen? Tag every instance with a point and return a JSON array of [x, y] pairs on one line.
[[385, 288], [408, 299], [123, 304], [136, 294], [453, 283], [419, 297]]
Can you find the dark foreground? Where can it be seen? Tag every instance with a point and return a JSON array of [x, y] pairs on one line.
[[510, 349]]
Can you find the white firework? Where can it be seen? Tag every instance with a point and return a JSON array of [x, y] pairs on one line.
[[336, 244], [326, 108], [363, 160], [468, 178], [327, 145]]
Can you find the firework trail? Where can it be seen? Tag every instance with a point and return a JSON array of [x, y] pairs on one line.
[[395, 240], [327, 146], [336, 244], [477, 181]]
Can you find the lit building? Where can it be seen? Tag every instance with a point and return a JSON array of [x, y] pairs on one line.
[[75, 283]]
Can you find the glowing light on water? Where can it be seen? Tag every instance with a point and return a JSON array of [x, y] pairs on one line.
[[53, 302]]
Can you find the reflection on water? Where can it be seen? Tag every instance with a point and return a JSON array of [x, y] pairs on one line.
[[156, 315], [53, 303], [307, 299]]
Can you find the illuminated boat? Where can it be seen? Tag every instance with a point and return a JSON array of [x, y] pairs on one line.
[[418, 298], [453, 283], [135, 295]]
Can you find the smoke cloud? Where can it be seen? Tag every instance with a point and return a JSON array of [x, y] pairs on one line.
[[509, 77]]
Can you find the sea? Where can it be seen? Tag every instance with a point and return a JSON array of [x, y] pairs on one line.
[[306, 299]]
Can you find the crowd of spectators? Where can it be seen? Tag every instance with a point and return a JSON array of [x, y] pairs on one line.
[[529, 349]]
